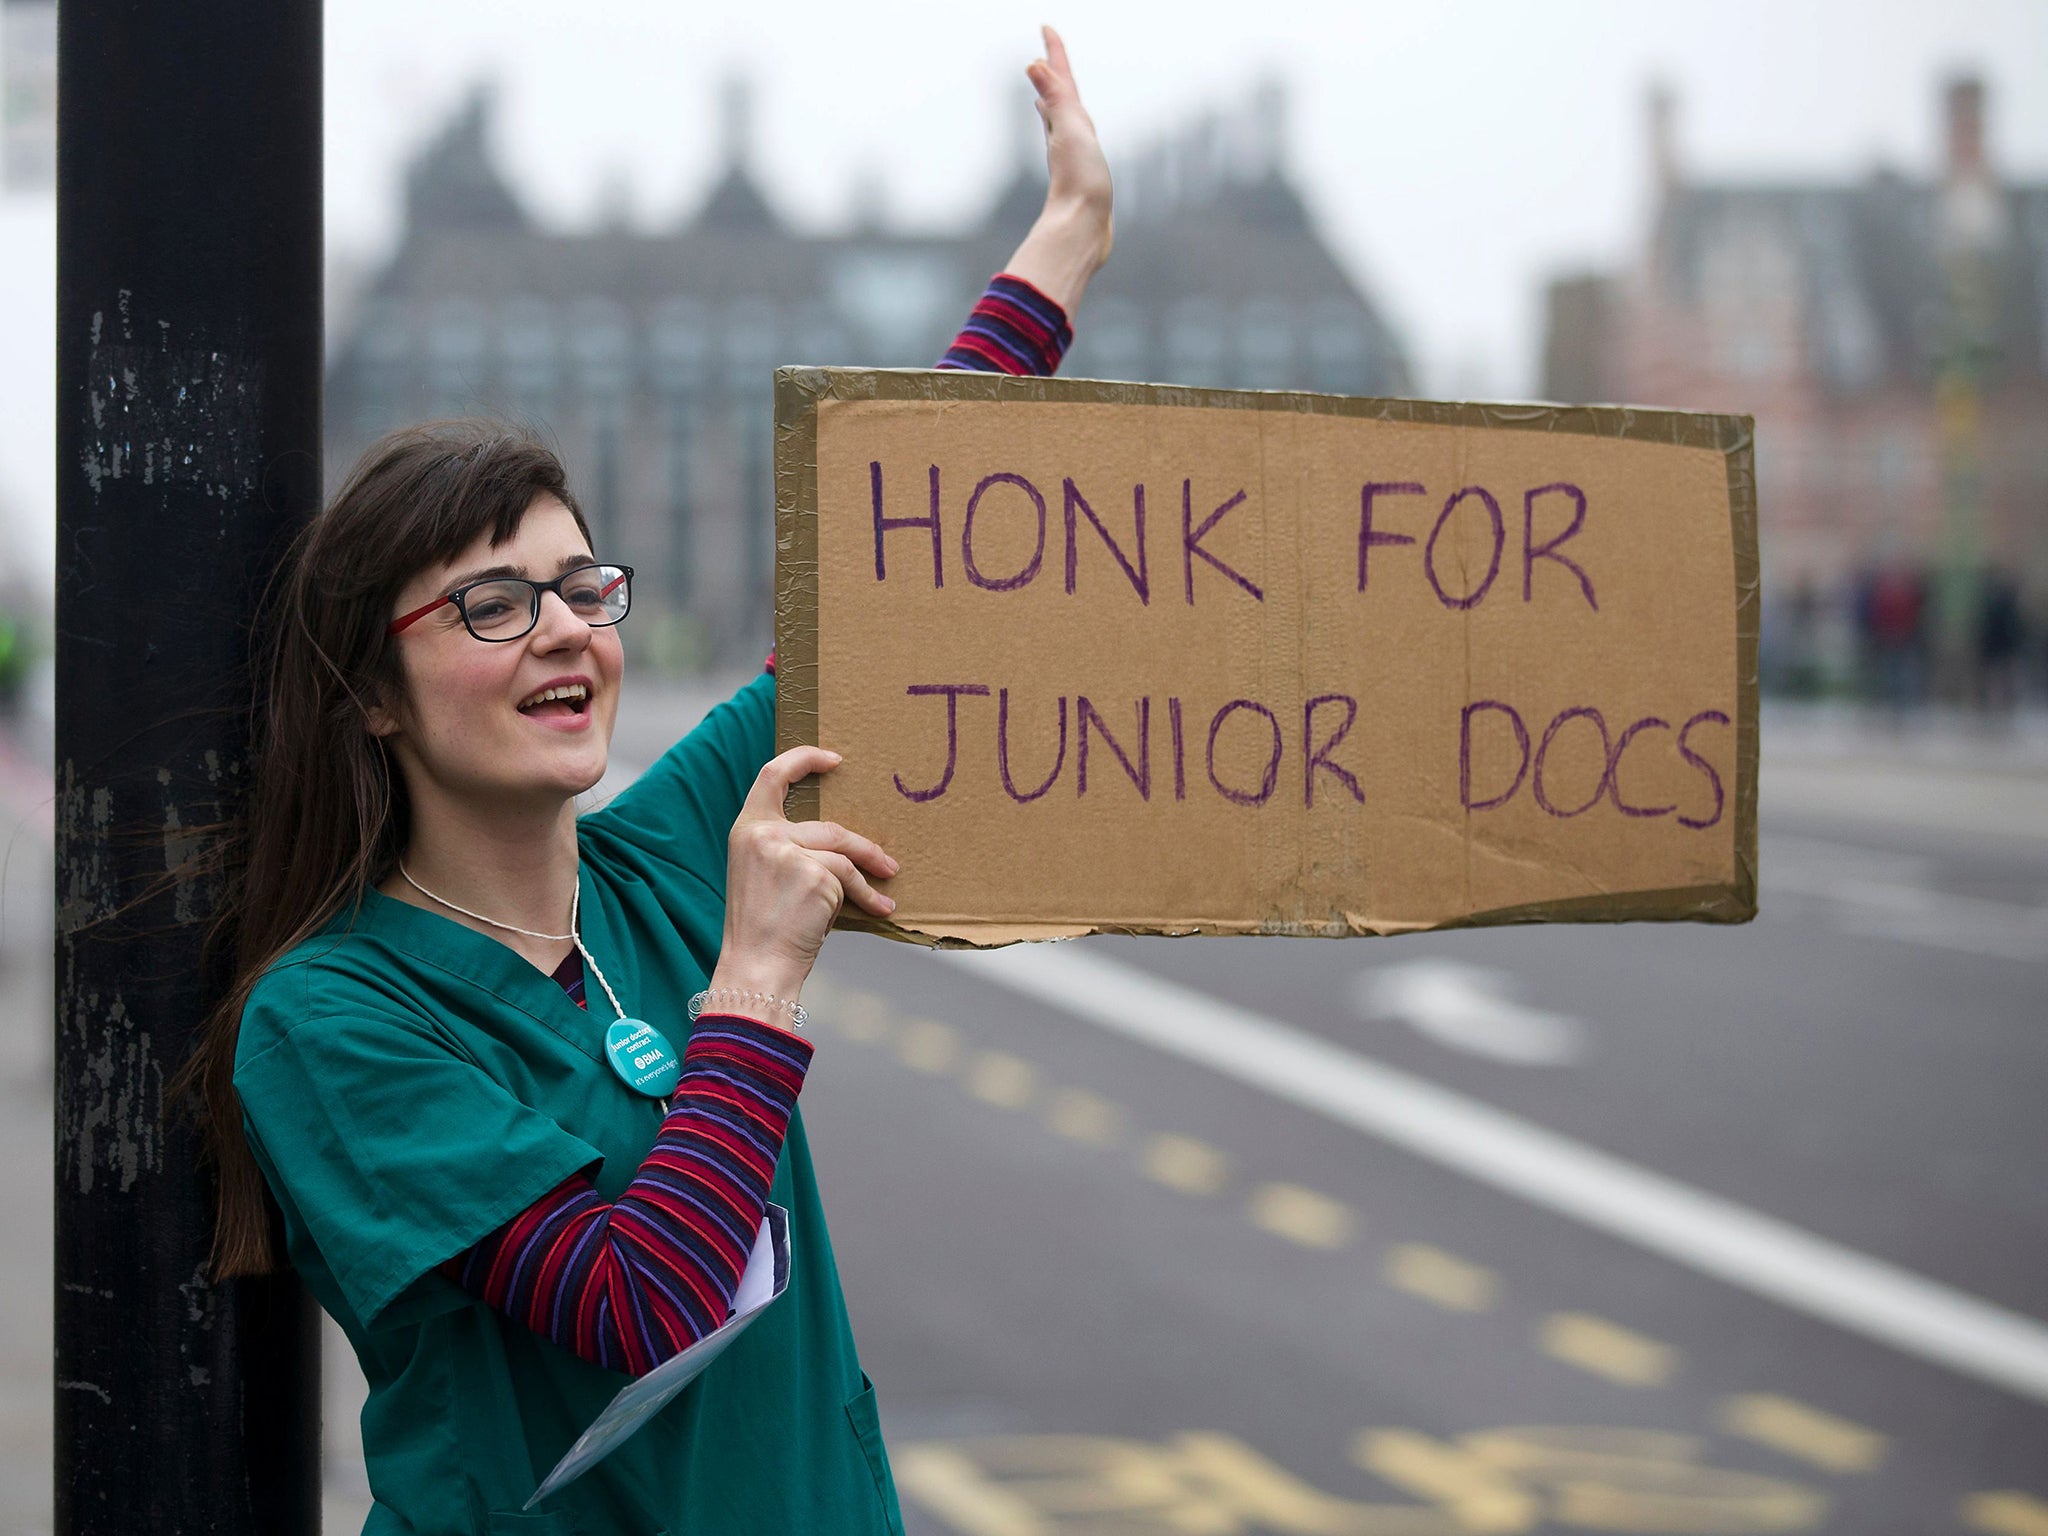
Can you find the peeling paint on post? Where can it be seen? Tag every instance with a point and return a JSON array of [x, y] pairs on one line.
[[189, 335]]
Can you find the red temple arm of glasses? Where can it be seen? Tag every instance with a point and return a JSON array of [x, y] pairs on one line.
[[404, 620]]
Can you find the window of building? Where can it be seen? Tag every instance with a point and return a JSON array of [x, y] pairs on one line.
[[821, 339], [749, 336], [458, 344], [600, 346], [1265, 345], [681, 346], [1194, 344], [681, 446], [1340, 358], [897, 301], [384, 372], [529, 353], [1115, 340], [1749, 284]]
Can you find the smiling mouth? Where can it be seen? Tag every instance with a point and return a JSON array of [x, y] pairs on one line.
[[569, 699]]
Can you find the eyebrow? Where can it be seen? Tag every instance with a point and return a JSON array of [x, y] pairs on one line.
[[487, 572]]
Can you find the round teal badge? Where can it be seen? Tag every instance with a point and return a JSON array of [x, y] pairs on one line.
[[643, 1058]]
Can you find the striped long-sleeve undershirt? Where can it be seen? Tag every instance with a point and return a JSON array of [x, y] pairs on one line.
[[1014, 329], [630, 1283]]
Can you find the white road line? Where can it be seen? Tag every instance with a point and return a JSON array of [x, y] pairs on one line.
[[1470, 1008], [1885, 895], [1715, 1236]]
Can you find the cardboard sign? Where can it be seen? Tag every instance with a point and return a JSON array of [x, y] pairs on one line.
[[1115, 657]]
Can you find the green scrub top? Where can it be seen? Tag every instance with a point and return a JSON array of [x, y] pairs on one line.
[[409, 1085]]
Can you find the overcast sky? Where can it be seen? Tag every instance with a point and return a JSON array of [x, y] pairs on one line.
[[1454, 154]]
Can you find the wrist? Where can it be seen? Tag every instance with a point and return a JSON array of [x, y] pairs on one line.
[[744, 974], [1076, 227], [783, 1013], [1065, 248]]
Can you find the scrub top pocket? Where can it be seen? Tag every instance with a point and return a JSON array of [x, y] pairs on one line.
[[863, 1413]]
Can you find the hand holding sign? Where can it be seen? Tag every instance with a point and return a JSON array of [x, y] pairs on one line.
[[786, 882]]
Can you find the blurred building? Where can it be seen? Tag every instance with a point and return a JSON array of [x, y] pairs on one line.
[[649, 357], [1890, 335]]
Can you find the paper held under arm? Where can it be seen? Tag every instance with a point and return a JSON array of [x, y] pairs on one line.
[[765, 1278]]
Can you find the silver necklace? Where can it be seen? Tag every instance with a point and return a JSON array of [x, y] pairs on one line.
[[639, 1053], [573, 935]]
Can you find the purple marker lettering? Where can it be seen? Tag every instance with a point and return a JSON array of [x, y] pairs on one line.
[[1579, 712], [1492, 566], [1649, 723], [1265, 789], [1141, 581], [1140, 775], [1191, 541], [1368, 535], [1003, 749], [1319, 756], [952, 691], [1465, 755], [884, 524], [1713, 779], [1532, 551], [1180, 775], [1007, 583]]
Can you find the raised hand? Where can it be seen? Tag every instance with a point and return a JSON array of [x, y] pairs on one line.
[[1072, 237], [1077, 170]]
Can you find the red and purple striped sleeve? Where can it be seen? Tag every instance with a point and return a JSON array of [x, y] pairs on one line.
[[630, 1283], [1014, 329]]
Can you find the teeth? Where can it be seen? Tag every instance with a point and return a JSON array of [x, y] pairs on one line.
[[570, 691]]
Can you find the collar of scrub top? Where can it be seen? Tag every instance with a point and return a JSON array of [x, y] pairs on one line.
[[501, 970]]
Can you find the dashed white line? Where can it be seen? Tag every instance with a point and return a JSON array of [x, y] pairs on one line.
[[1713, 1235]]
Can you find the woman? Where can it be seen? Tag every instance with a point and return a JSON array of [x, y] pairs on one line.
[[501, 1186]]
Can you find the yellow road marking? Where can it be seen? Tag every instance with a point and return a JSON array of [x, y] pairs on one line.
[[1597, 1478], [1008, 1082], [861, 1016], [1196, 1484], [1784, 1425], [1301, 1216], [1183, 1163], [1083, 1116], [1468, 1488], [926, 1045], [1606, 1349], [958, 1492], [2006, 1513], [1440, 1277], [1239, 1489]]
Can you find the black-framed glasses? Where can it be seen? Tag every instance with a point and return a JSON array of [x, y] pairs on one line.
[[501, 608]]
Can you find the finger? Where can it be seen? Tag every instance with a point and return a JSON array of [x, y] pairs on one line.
[[1053, 95], [853, 884], [772, 785], [1056, 54], [829, 836]]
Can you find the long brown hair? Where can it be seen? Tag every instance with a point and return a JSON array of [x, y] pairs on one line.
[[327, 815]]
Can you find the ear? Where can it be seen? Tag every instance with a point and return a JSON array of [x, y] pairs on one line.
[[379, 718]]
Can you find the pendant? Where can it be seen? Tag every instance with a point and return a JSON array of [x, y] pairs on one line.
[[643, 1058]]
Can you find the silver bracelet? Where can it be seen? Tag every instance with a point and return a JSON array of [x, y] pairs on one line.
[[722, 999]]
